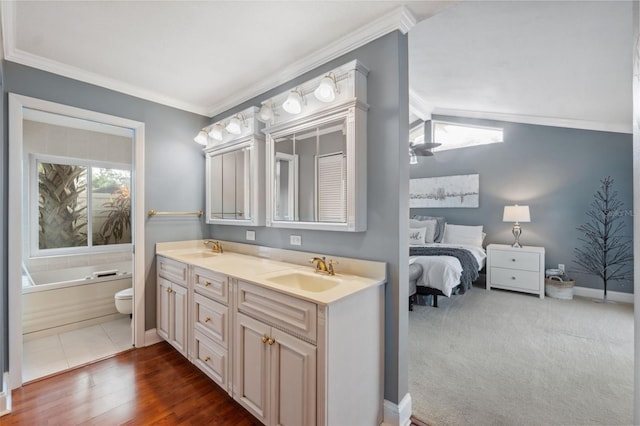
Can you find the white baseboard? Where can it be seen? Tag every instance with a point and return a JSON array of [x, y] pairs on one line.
[[397, 414], [5, 396], [151, 337], [598, 293]]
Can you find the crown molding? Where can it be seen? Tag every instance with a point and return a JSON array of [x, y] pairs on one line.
[[538, 120], [400, 19]]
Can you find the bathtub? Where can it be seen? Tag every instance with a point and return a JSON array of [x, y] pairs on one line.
[[65, 299]]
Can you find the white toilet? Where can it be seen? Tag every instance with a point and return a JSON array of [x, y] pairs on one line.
[[124, 301]]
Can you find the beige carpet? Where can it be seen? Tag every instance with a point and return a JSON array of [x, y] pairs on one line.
[[502, 358]]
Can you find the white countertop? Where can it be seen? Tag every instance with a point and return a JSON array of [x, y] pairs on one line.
[[260, 270]]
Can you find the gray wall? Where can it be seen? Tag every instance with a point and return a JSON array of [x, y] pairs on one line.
[[387, 194], [554, 170], [174, 164]]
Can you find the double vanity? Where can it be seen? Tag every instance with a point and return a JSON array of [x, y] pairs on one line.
[[291, 345]]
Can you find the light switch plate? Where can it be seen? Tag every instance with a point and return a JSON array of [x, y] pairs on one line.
[[295, 240], [251, 235]]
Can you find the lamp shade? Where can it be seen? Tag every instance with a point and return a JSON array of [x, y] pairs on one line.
[[201, 138], [266, 113], [326, 90], [217, 132], [234, 126], [516, 214], [293, 104]]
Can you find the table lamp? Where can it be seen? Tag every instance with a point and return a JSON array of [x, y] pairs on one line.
[[516, 214]]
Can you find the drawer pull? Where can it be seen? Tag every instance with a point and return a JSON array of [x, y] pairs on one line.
[[513, 278], [264, 339], [271, 341], [168, 290], [207, 358], [207, 283], [207, 319], [513, 260]]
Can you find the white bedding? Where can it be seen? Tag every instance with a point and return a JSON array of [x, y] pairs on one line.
[[444, 272]]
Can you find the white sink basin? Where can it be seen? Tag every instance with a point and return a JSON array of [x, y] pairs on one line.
[[306, 282], [194, 253]]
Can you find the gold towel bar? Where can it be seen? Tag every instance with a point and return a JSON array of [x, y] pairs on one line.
[[155, 213]]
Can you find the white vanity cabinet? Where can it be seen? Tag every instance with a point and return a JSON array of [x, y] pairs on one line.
[[172, 303], [275, 371], [211, 325]]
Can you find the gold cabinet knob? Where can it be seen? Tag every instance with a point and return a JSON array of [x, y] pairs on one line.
[[271, 341], [264, 339], [207, 319], [168, 290], [207, 358], [207, 283]]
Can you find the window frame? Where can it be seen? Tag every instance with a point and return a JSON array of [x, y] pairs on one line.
[[33, 206], [444, 147]]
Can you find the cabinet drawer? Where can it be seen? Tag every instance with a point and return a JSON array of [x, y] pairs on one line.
[[515, 279], [172, 270], [211, 284], [211, 319], [211, 358], [299, 317], [512, 259]]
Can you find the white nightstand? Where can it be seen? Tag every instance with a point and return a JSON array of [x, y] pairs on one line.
[[518, 269]]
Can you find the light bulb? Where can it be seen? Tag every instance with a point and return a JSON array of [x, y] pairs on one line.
[[201, 138], [413, 158], [293, 104], [217, 132], [326, 90]]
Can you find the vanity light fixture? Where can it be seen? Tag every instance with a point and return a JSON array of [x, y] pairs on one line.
[[201, 138], [234, 126], [293, 104], [217, 132], [327, 89], [266, 113]]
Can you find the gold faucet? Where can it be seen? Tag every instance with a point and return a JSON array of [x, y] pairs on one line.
[[323, 266], [216, 246]]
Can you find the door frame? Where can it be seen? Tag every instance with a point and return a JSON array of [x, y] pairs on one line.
[[17, 103]]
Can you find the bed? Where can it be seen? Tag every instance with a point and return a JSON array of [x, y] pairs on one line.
[[445, 262]]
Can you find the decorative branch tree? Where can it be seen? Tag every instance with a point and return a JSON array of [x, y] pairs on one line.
[[606, 252]]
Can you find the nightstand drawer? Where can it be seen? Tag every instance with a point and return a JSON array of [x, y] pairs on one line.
[[515, 279], [513, 259]]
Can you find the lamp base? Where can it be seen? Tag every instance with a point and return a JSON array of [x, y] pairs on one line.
[[516, 233]]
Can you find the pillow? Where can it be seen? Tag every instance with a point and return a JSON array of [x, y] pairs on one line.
[[439, 233], [430, 226], [460, 234], [416, 236]]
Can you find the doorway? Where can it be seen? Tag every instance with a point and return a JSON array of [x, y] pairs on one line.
[[65, 267]]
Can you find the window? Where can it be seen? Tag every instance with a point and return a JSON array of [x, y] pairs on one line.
[[457, 135], [80, 205]]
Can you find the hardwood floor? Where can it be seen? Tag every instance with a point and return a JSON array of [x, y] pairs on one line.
[[152, 385]]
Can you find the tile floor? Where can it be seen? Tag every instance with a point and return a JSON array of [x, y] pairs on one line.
[[48, 355]]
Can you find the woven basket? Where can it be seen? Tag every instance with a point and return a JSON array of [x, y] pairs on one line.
[[558, 289]]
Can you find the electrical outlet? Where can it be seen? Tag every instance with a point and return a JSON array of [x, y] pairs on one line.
[[561, 266], [251, 235], [295, 240]]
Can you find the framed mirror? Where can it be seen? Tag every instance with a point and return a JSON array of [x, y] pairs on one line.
[[234, 170], [316, 159]]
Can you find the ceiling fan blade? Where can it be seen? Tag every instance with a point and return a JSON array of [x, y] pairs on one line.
[[422, 150], [431, 145]]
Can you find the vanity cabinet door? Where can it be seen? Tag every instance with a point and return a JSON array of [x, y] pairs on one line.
[[164, 308], [293, 380], [172, 314], [251, 365]]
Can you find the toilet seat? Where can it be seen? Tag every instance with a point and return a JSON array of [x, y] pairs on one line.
[[126, 294]]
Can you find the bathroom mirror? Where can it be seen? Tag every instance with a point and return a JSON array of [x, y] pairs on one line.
[[316, 158], [234, 170]]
